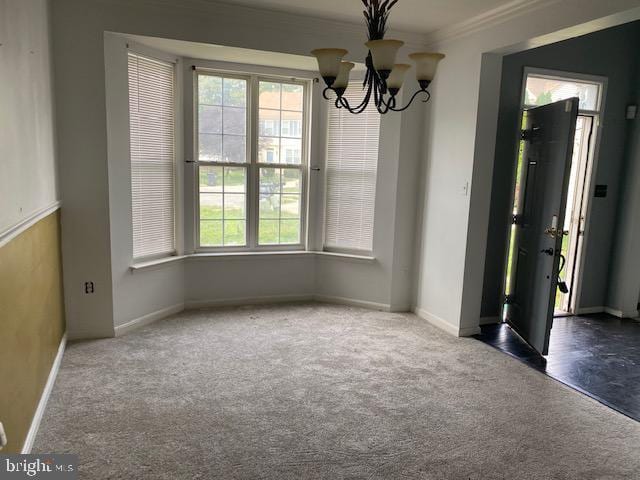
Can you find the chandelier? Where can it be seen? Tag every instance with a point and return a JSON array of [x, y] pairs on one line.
[[384, 77]]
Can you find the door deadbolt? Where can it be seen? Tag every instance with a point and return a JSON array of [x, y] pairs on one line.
[[548, 251]]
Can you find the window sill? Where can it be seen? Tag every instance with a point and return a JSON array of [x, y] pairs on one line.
[[247, 255], [153, 264], [346, 256]]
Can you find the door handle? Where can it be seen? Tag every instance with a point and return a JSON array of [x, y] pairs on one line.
[[555, 233]]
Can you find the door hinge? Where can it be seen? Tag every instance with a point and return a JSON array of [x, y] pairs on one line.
[[509, 299], [517, 219]]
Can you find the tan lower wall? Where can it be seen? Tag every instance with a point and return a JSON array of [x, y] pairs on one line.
[[31, 323]]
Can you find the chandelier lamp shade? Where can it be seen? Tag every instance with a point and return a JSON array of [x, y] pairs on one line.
[[384, 77]]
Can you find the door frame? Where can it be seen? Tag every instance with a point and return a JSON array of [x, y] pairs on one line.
[[592, 168]]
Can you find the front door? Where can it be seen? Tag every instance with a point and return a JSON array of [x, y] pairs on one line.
[[549, 136]]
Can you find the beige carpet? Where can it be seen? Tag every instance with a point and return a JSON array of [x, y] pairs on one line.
[[313, 391]]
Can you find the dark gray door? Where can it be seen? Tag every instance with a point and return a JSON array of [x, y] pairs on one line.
[[549, 137]]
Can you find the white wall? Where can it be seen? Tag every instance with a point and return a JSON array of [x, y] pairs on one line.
[[385, 282], [27, 148], [140, 293], [96, 233], [461, 135]]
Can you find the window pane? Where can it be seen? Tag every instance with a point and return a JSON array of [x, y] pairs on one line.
[[210, 233], [292, 97], [290, 231], [211, 206], [270, 206], [210, 179], [269, 180], [541, 90], [235, 92], [234, 149], [291, 151], [235, 120], [269, 122], [291, 124], [230, 120], [210, 119], [290, 207], [210, 147], [234, 206], [235, 179], [280, 123], [276, 204], [209, 90], [268, 232], [290, 180], [234, 232], [269, 95], [223, 206], [268, 150]]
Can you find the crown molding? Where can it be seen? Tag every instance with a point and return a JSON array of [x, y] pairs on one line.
[[488, 19], [268, 20]]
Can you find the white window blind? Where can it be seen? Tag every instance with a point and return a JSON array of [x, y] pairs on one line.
[[352, 162], [151, 119]]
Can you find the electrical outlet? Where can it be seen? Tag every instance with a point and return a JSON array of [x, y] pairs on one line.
[[89, 288], [3, 437]]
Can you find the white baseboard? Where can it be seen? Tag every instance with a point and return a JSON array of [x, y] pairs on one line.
[[490, 320], [588, 310], [469, 331], [352, 302], [436, 321], [147, 319], [620, 313], [234, 302], [264, 300], [444, 325], [611, 311], [44, 398]]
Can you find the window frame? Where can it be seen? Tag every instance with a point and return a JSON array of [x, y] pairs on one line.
[[252, 165], [151, 54]]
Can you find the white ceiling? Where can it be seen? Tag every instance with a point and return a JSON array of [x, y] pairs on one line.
[[422, 16]]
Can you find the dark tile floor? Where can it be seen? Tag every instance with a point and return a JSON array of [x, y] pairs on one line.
[[598, 355]]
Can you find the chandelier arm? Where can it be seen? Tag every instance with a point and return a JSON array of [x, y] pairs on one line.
[[377, 96], [411, 101], [384, 105], [365, 102], [324, 93], [360, 108]]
